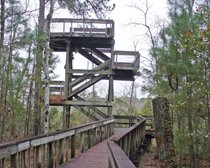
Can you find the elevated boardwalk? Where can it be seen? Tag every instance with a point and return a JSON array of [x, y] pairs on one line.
[[91, 145], [95, 157]]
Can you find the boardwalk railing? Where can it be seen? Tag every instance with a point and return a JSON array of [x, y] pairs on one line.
[[51, 150], [125, 146]]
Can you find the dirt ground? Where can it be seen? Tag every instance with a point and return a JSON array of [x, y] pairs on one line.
[[148, 161]]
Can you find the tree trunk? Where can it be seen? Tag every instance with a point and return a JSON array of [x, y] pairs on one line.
[[46, 67], [38, 69], [164, 133], [29, 105]]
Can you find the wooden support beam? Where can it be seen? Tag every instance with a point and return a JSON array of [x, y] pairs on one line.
[[68, 79], [14, 161], [89, 57], [73, 146], [96, 110], [92, 71], [111, 94], [88, 103], [57, 83], [103, 66], [56, 89], [100, 54], [61, 151], [50, 157], [85, 86], [87, 113]]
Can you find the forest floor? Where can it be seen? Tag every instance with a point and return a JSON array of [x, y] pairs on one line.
[[148, 161]]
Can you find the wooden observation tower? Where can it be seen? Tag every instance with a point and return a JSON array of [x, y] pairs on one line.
[[94, 40]]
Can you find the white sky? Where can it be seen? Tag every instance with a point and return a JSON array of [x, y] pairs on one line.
[[125, 34]]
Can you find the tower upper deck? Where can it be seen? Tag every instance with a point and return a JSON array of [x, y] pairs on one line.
[[92, 33]]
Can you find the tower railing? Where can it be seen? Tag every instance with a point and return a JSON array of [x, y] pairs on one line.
[[83, 27], [126, 60]]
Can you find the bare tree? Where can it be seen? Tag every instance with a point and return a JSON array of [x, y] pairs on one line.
[[46, 66]]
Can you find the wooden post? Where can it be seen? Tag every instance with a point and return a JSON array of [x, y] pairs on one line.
[[23, 159], [61, 153], [67, 149], [2, 163], [73, 146], [111, 83], [89, 135], [49, 155], [164, 132], [67, 88], [14, 161], [37, 157], [82, 136]]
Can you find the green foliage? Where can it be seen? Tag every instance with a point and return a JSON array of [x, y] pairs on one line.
[[182, 74], [55, 118], [86, 7], [147, 108]]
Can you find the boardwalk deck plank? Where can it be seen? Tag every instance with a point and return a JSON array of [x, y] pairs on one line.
[[95, 157]]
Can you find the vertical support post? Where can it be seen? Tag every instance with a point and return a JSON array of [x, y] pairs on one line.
[[82, 136], [73, 146], [61, 155], [67, 149], [14, 161], [2, 163], [49, 155], [111, 83], [89, 135], [37, 157], [67, 88], [23, 159]]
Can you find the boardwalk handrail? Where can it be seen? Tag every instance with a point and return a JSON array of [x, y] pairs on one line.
[[83, 27], [128, 143], [58, 144], [117, 157]]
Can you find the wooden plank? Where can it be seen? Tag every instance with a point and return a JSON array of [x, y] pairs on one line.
[[73, 146], [8, 150], [89, 103], [14, 161], [100, 54], [61, 151], [68, 20], [90, 30], [57, 89], [117, 158], [92, 71], [96, 110], [89, 57], [50, 158], [130, 53], [57, 83], [86, 85], [86, 76]]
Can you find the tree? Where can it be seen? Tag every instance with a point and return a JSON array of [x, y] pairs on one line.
[[181, 61]]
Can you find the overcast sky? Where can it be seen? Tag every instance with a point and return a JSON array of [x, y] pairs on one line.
[[125, 34]]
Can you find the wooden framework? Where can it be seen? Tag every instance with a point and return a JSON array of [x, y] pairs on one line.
[[94, 40]]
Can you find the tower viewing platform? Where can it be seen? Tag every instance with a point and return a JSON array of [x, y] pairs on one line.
[[91, 33]]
